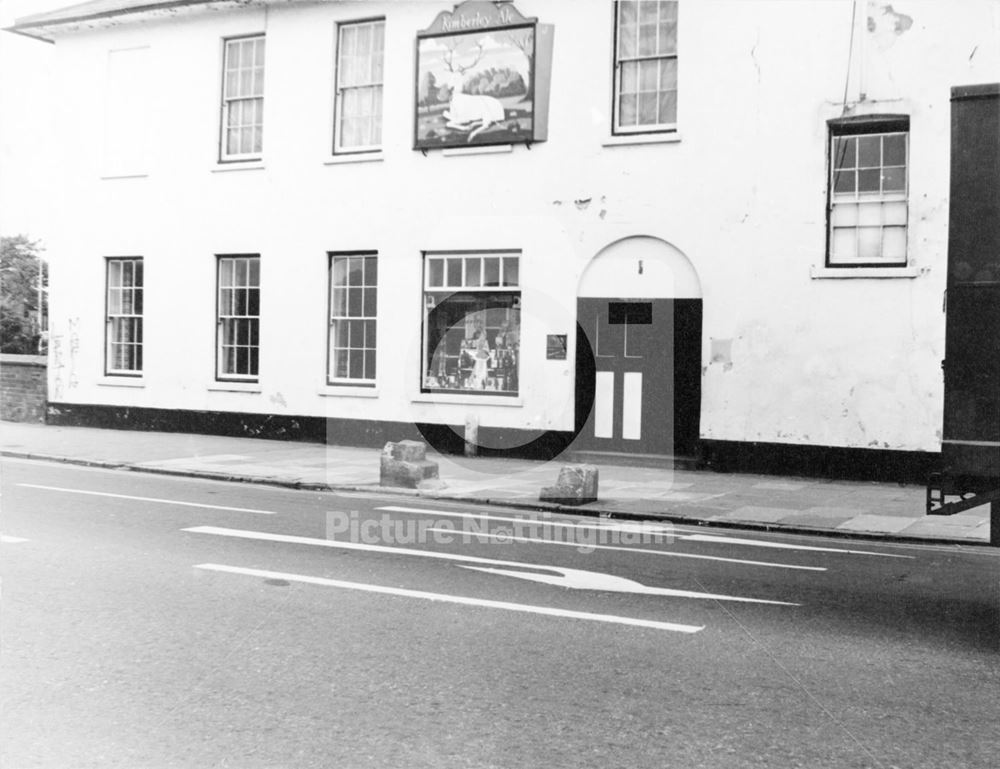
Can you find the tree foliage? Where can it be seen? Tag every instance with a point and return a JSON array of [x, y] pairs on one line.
[[496, 82], [20, 322], [427, 94]]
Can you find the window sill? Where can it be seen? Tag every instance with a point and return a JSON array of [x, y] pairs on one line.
[[671, 137], [354, 157], [477, 400], [123, 380], [109, 177], [821, 273], [495, 149], [347, 391], [234, 387], [253, 165]]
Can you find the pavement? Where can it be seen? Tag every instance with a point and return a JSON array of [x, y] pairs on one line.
[[774, 503]]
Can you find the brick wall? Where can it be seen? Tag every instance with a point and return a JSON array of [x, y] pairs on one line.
[[22, 388]]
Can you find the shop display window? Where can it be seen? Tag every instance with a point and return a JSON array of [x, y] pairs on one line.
[[472, 323]]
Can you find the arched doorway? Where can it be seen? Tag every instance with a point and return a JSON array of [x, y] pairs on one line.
[[638, 357]]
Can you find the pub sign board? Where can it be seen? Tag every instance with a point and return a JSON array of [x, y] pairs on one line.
[[483, 74]]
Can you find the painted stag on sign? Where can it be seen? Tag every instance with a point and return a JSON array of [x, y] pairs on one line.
[[469, 112], [475, 88]]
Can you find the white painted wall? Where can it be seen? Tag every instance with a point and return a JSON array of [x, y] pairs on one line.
[[845, 362]]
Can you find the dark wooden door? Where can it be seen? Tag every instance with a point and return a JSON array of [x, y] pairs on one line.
[[638, 375]]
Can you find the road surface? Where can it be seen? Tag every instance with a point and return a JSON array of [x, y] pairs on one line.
[[156, 621]]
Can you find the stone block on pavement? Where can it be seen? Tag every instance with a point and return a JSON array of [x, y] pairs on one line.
[[408, 451], [576, 485], [404, 464]]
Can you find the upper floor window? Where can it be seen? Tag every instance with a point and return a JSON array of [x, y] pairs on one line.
[[353, 310], [645, 83], [123, 334], [238, 326], [358, 111], [243, 99], [868, 192]]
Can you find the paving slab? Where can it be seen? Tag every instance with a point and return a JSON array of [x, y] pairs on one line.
[[778, 486], [889, 524], [816, 521]]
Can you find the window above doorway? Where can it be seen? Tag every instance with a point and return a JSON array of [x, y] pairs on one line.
[[645, 67]]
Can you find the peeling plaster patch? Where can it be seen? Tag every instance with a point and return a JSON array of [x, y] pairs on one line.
[[279, 399], [604, 212], [722, 352], [885, 24], [583, 203]]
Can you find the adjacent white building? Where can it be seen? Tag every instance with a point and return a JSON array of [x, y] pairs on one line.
[[658, 227]]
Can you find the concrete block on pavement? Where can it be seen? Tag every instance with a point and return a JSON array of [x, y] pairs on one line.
[[576, 485], [405, 464]]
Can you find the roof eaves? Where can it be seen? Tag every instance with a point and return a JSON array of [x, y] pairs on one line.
[[78, 14]]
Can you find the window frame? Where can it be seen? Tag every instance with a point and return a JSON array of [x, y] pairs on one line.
[[337, 148], [514, 291], [617, 129], [224, 155], [109, 317], [866, 125], [220, 375], [331, 380]]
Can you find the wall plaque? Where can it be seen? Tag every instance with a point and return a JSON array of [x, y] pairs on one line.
[[555, 347]]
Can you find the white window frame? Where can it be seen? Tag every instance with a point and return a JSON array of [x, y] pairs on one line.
[[622, 61], [885, 210], [374, 83], [229, 317], [468, 273], [350, 308], [117, 319], [229, 98]]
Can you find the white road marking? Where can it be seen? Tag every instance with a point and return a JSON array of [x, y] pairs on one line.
[[457, 599], [676, 533], [149, 499], [781, 545], [539, 540], [7, 540], [577, 578]]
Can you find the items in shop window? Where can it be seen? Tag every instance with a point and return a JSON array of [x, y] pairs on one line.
[[477, 353]]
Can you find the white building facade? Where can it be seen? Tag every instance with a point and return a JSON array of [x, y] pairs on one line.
[[642, 227]]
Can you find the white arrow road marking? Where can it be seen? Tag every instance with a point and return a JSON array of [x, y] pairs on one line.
[[7, 540], [149, 499], [541, 541], [668, 530], [458, 599], [781, 545], [578, 582], [592, 580]]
